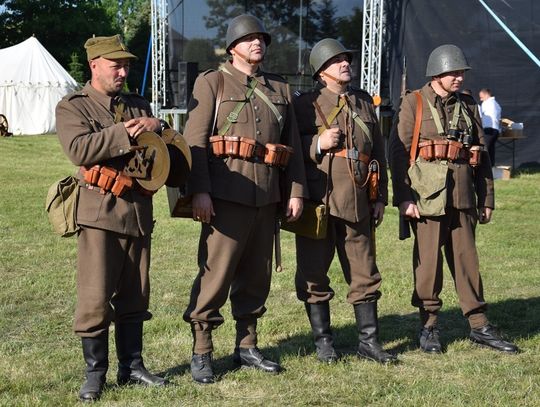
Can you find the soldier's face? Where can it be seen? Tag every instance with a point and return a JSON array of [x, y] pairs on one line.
[[251, 47], [108, 75], [451, 81], [338, 67]]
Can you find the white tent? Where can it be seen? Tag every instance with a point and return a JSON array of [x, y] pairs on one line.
[[32, 82]]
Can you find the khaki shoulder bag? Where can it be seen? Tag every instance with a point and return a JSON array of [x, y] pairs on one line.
[[428, 178]]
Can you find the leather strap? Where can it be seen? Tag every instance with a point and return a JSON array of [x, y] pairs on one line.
[[417, 125], [351, 154], [333, 114]]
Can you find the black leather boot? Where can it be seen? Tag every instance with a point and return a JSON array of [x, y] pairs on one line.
[[319, 318], [131, 368], [488, 336], [368, 331], [429, 339], [96, 356]]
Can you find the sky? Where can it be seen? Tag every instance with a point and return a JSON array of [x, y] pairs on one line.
[[195, 10]]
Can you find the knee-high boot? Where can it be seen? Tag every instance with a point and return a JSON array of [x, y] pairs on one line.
[[129, 351], [319, 318], [96, 356], [368, 331]]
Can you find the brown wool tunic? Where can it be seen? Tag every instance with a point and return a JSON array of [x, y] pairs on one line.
[[467, 190], [235, 249], [114, 243], [349, 229]]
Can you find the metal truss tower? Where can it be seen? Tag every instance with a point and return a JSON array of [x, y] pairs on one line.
[[159, 43], [372, 32]]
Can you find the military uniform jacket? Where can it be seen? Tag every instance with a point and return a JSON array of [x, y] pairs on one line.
[[467, 187], [233, 179], [347, 200], [89, 136]]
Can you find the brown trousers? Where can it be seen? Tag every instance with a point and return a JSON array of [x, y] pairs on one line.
[[235, 260], [455, 232], [355, 253], [112, 280]]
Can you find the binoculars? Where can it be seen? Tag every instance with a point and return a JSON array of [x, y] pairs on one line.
[[458, 135]]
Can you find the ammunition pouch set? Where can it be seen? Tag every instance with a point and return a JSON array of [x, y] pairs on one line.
[[106, 179], [274, 155], [449, 150]]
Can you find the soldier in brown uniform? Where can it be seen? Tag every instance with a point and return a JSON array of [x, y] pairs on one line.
[[449, 118], [237, 199], [340, 136], [114, 240]]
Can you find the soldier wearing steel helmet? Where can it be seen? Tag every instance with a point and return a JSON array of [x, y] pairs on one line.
[[450, 134], [340, 137], [236, 195], [98, 127]]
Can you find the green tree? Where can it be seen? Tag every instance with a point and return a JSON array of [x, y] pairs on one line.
[[76, 69], [62, 26], [325, 21], [201, 50], [350, 29]]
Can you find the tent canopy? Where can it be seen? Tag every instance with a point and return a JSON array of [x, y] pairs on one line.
[[32, 82]]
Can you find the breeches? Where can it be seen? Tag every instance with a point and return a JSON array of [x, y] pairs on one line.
[[455, 232], [235, 259], [355, 252], [112, 280]]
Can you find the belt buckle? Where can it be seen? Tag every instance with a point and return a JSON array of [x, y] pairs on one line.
[[352, 154]]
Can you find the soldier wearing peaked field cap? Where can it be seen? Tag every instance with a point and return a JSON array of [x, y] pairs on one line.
[[113, 138], [443, 184], [107, 47]]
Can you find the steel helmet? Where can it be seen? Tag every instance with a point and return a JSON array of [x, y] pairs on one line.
[[446, 58], [323, 51], [243, 25]]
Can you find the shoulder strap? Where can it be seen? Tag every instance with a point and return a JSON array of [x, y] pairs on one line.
[[219, 97], [272, 107], [327, 120], [417, 125], [233, 116]]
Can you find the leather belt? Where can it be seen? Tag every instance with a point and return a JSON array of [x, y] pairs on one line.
[[351, 154]]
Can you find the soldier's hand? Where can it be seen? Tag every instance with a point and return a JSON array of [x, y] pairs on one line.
[[409, 209], [295, 206], [330, 138], [378, 213], [203, 210], [484, 215], [141, 124]]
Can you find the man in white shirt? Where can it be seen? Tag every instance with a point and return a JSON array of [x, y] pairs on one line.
[[490, 111]]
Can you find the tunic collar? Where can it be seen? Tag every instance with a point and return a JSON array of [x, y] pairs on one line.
[[332, 97], [104, 100], [242, 77]]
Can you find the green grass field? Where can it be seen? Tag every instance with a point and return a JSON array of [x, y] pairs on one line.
[[41, 361]]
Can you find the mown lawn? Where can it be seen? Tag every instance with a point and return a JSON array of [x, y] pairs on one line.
[[41, 361]]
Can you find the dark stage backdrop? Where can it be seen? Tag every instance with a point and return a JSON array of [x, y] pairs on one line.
[[415, 27]]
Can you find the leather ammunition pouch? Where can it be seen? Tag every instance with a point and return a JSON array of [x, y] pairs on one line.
[[107, 179], [250, 150], [449, 150]]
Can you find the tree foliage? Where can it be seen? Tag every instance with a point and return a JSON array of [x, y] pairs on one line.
[[61, 26]]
